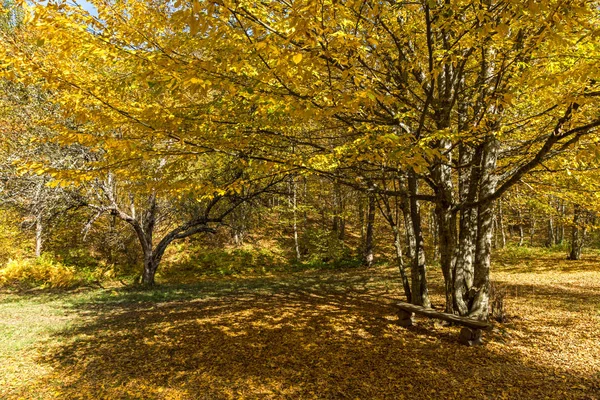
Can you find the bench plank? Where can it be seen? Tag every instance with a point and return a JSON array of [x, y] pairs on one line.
[[431, 313]]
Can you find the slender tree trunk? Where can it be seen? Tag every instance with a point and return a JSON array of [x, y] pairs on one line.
[[447, 235], [305, 195], [577, 234], [561, 228], [495, 231], [521, 231], [400, 261], [336, 217], [361, 217], [39, 238], [239, 226], [435, 233], [393, 218], [294, 200], [339, 222], [368, 250], [551, 240], [532, 231], [501, 225], [411, 242]]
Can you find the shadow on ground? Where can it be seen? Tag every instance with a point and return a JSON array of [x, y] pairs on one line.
[[297, 338]]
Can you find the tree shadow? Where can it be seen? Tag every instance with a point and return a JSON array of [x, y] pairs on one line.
[[545, 263], [293, 338]]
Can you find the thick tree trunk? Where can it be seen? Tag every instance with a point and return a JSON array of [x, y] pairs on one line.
[[150, 267], [464, 267], [483, 248], [447, 235], [445, 220], [368, 250], [443, 216], [420, 292]]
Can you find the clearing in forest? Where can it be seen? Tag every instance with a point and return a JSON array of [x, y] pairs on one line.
[[305, 335]]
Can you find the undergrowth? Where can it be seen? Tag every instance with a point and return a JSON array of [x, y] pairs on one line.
[[44, 272]]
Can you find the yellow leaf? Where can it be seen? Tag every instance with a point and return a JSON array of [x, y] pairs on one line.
[[297, 58]]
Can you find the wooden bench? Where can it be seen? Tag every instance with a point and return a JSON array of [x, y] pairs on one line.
[[470, 335]]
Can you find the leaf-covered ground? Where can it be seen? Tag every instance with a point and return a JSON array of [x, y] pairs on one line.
[[307, 335]]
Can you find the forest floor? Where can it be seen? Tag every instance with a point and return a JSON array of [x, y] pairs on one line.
[[329, 335]]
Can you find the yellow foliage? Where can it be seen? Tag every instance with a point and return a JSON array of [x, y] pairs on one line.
[[10, 236], [41, 271]]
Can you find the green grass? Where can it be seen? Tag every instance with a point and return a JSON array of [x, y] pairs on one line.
[[25, 324]]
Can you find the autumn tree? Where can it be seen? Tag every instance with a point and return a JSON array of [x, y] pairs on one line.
[[457, 101]]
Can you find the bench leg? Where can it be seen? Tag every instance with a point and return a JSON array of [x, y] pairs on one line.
[[470, 337], [405, 318]]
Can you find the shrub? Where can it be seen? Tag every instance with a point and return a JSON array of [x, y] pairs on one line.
[[323, 247], [200, 262], [13, 242], [43, 271]]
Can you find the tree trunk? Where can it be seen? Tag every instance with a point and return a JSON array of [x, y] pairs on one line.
[[561, 229], [393, 218], [239, 226], [577, 234], [368, 252], [532, 230], [339, 222], [501, 225], [400, 261], [521, 231], [420, 293], [447, 234], [361, 217], [150, 267], [495, 232], [551, 240], [408, 229], [464, 267], [483, 249], [435, 233], [294, 205], [39, 238]]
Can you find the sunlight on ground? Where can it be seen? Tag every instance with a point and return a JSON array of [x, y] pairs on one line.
[[304, 336]]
